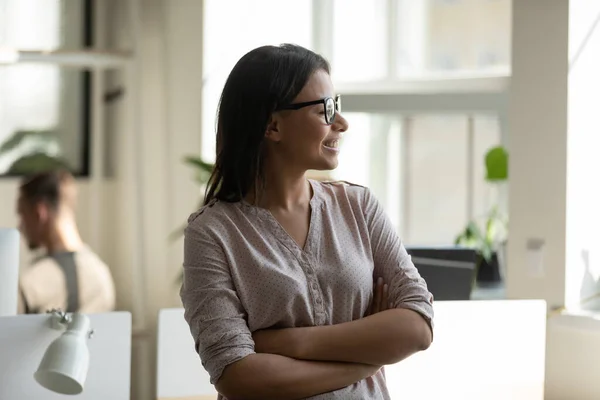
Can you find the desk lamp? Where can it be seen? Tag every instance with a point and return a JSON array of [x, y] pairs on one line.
[[64, 367]]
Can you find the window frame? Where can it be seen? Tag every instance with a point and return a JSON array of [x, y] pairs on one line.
[[466, 93], [61, 58]]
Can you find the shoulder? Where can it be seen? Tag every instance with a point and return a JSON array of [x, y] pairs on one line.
[[40, 279], [42, 267], [86, 256], [215, 218], [343, 191]]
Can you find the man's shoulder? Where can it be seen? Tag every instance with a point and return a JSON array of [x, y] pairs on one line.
[[87, 251], [41, 265], [44, 272]]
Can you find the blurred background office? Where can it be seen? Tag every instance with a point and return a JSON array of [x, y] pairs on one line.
[[440, 96]]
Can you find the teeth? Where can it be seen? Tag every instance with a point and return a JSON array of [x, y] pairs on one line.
[[332, 143]]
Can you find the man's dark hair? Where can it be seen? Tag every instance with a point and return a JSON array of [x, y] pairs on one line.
[[51, 187]]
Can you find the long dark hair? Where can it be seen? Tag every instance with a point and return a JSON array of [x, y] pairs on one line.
[[263, 80]]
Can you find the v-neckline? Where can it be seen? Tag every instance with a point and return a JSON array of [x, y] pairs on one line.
[[283, 235], [283, 232]]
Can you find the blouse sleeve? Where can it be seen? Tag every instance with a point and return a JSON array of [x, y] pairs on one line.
[[213, 310], [406, 288]]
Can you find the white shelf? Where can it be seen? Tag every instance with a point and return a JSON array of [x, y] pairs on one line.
[[496, 81], [72, 58]]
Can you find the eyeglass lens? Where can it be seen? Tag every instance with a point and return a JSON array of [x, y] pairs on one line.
[[330, 110]]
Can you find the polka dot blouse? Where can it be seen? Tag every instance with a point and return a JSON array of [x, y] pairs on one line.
[[243, 272]]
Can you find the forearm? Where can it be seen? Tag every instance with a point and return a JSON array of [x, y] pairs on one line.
[[380, 339], [270, 376]]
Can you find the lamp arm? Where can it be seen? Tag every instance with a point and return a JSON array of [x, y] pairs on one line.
[[62, 320]]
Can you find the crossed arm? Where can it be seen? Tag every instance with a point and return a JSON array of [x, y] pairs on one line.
[[302, 362], [386, 336]]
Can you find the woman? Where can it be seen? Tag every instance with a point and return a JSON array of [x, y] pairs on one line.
[[279, 270]]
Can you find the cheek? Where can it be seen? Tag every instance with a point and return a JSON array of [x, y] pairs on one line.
[[317, 133], [311, 135], [305, 137]]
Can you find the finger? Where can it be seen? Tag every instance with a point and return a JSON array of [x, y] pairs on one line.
[[372, 305], [378, 294], [384, 298]]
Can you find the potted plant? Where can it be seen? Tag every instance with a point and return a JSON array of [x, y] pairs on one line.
[[488, 237], [203, 172], [38, 151]]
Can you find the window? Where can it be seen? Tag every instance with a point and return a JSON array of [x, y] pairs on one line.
[[255, 23], [44, 109], [423, 37], [426, 170], [425, 164], [468, 35], [359, 50]]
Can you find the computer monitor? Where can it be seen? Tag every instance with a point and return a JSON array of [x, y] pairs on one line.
[[450, 272], [9, 270]]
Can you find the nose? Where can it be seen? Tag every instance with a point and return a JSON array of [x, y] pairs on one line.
[[340, 124]]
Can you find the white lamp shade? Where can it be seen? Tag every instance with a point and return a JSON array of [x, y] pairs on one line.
[[64, 367]]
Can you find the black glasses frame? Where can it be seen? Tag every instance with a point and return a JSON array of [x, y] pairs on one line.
[[337, 101]]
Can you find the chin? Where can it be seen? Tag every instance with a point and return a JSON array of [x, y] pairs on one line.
[[326, 163]]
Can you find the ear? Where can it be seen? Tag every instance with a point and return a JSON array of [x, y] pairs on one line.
[[42, 211], [273, 130]]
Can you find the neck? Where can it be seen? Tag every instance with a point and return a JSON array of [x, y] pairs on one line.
[[64, 236], [283, 191]]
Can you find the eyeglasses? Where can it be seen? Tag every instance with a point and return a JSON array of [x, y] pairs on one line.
[[330, 105]]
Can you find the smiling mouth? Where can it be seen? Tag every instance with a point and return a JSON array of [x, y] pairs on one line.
[[332, 145]]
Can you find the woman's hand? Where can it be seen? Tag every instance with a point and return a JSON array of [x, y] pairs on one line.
[[380, 300]]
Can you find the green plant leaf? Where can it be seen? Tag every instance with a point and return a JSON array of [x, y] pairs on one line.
[[20, 137], [496, 164], [197, 162], [36, 162], [203, 173], [176, 234], [474, 238]]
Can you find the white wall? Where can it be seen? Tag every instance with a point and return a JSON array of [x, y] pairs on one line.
[[537, 128], [553, 192]]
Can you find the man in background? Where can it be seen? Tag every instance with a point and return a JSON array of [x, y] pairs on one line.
[[70, 276]]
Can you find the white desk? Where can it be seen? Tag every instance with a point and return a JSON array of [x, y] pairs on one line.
[[492, 350], [482, 350], [25, 338], [179, 375]]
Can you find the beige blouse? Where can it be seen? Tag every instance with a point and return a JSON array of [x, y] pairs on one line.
[[243, 272]]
